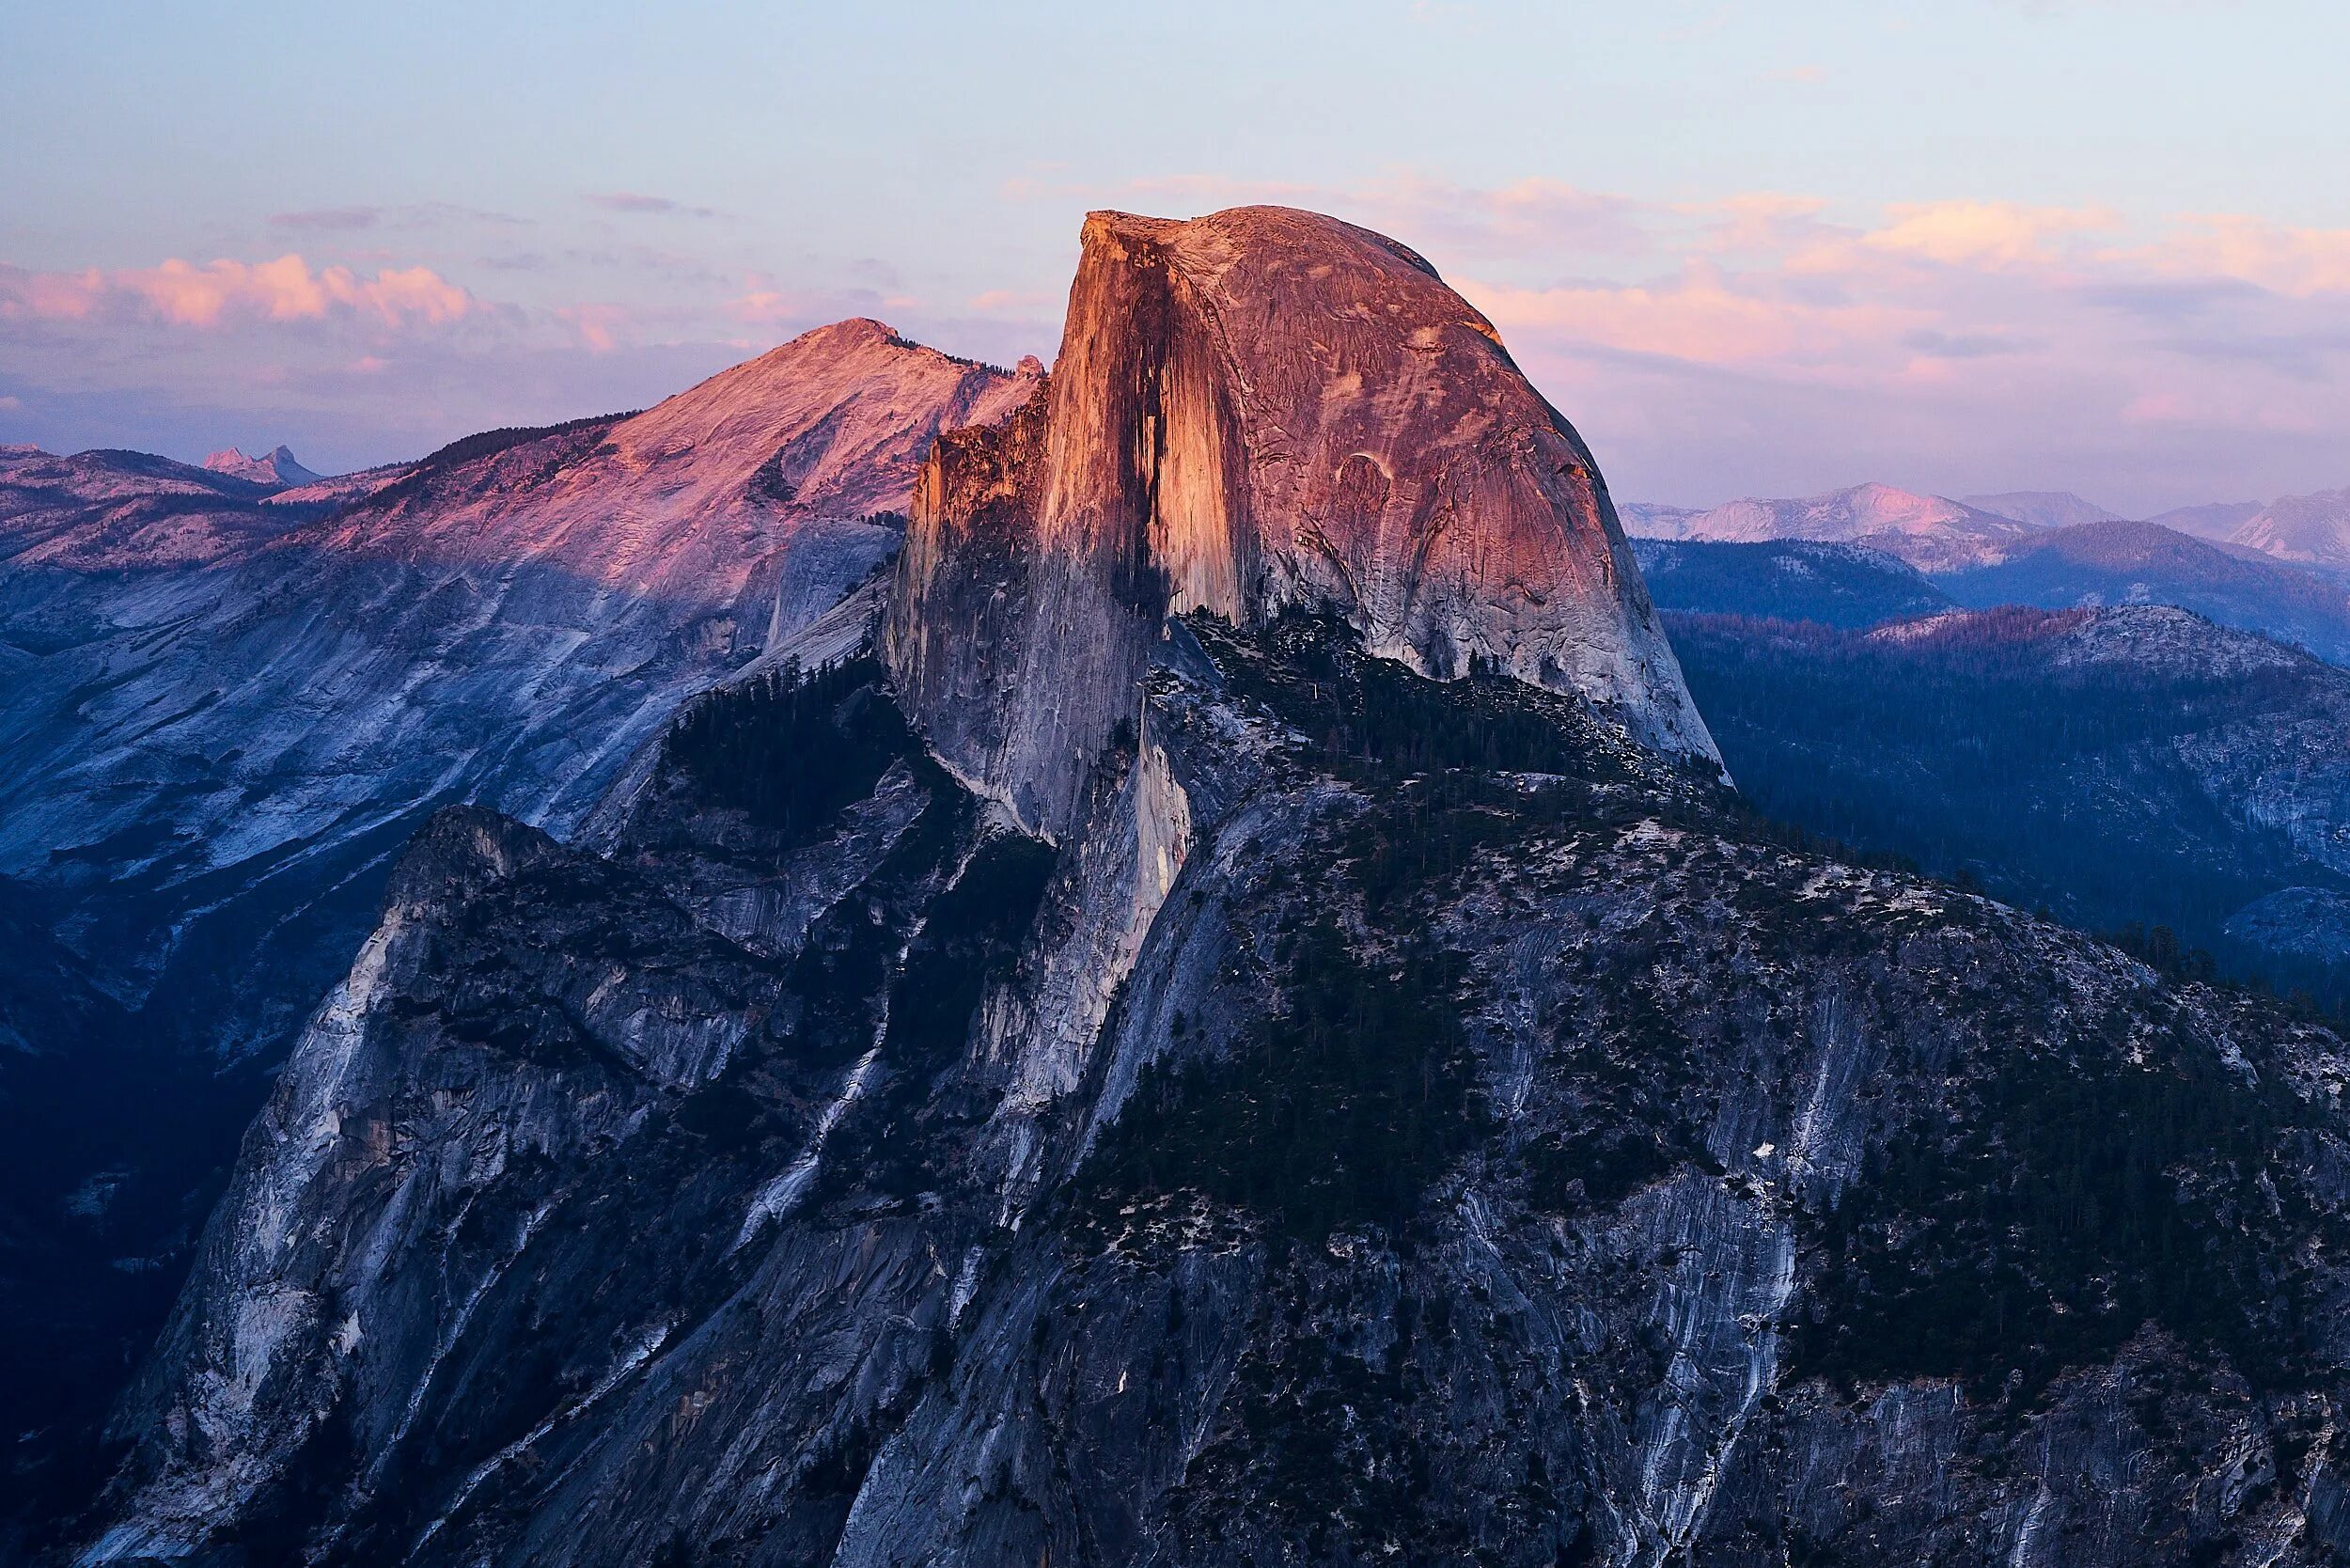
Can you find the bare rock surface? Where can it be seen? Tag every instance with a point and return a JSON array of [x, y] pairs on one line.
[[1258, 410], [1497, 1149], [279, 468], [225, 709], [2311, 529]]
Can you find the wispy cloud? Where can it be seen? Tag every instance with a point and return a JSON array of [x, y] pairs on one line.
[[183, 293], [422, 214], [635, 201], [329, 220]]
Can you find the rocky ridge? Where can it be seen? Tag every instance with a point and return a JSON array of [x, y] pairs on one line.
[[278, 469], [228, 708], [1497, 1148], [2311, 529], [1386, 1116]]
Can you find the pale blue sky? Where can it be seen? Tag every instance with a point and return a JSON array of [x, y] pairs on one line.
[[625, 197]]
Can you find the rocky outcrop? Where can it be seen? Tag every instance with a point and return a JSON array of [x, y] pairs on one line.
[[224, 711], [1498, 1150], [1253, 412]]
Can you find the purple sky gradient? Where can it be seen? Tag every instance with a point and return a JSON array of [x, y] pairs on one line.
[[2099, 246]]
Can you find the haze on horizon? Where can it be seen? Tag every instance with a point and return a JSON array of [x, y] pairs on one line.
[[2095, 246]]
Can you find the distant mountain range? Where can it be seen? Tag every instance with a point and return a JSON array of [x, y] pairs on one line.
[[1929, 532], [2118, 765], [1968, 554], [1936, 534], [2045, 509]]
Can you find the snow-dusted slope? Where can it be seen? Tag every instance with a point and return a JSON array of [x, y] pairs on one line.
[[2313, 529], [1929, 532]]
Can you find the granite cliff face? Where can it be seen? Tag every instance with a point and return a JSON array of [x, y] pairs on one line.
[[1258, 411], [1489, 1144], [1061, 1082], [225, 710]]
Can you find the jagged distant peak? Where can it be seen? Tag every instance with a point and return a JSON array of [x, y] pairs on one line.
[[278, 467]]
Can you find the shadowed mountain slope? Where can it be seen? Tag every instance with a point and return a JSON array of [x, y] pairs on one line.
[[221, 729]]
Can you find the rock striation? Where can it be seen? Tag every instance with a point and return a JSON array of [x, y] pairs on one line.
[[2313, 530], [1548, 1168], [1253, 412]]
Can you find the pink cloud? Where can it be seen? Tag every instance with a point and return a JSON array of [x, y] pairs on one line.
[[1702, 315], [600, 326], [2286, 260], [1982, 234], [285, 289]]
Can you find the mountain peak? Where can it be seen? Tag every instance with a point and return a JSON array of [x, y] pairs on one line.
[[2313, 530], [278, 468], [687, 496], [2043, 508], [1931, 533], [1258, 411]]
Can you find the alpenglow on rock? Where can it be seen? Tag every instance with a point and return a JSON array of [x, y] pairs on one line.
[[1255, 411]]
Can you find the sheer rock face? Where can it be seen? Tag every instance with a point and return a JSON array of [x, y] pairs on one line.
[[781, 1186], [1253, 411]]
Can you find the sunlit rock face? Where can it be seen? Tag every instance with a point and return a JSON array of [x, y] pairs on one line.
[[278, 469], [1253, 411], [505, 621], [686, 499]]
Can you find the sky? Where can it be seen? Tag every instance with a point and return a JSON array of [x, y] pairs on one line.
[[1748, 249]]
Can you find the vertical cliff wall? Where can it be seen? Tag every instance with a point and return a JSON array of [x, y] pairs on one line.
[[1252, 411]]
